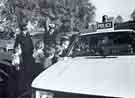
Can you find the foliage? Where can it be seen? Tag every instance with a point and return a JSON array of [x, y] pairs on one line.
[[7, 20], [119, 19], [73, 15], [133, 15]]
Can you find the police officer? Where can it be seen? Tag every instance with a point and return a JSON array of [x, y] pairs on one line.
[[25, 73]]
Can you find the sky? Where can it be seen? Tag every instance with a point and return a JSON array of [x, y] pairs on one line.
[[114, 8]]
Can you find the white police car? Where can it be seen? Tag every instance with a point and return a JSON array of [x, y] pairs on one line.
[[97, 65]]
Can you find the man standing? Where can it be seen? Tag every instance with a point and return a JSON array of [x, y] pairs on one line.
[[50, 44], [25, 73], [50, 36]]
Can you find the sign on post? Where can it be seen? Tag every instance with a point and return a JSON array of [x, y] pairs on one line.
[[105, 26]]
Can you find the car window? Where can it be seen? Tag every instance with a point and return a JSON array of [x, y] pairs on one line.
[[112, 43]]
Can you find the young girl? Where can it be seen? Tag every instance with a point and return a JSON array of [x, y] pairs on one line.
[[38, 52]]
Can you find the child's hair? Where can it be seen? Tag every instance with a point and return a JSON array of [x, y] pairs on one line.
[[49, 51], [39, 44]]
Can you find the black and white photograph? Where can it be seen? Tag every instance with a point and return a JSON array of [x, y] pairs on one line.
[[67, 48]]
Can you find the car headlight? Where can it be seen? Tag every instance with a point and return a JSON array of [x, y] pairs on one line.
[[43, 94]]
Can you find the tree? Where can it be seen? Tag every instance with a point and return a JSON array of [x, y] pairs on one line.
[[76, 13], [133, 15], [118, 19], [7, 19], [73, 14]]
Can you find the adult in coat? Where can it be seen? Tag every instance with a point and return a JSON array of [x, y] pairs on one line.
[[25, 73]]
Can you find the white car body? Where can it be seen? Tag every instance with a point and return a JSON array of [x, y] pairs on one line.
[[112, 76]]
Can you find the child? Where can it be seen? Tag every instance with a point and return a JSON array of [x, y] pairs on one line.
[[38, 55], [49, 53], [17, 58], [38, 52]]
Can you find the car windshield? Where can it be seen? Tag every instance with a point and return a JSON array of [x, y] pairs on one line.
[[104, 44]]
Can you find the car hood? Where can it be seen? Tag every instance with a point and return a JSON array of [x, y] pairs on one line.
[[110, 76]]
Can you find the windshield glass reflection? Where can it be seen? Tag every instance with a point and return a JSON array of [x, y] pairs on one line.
[[105, 44]]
